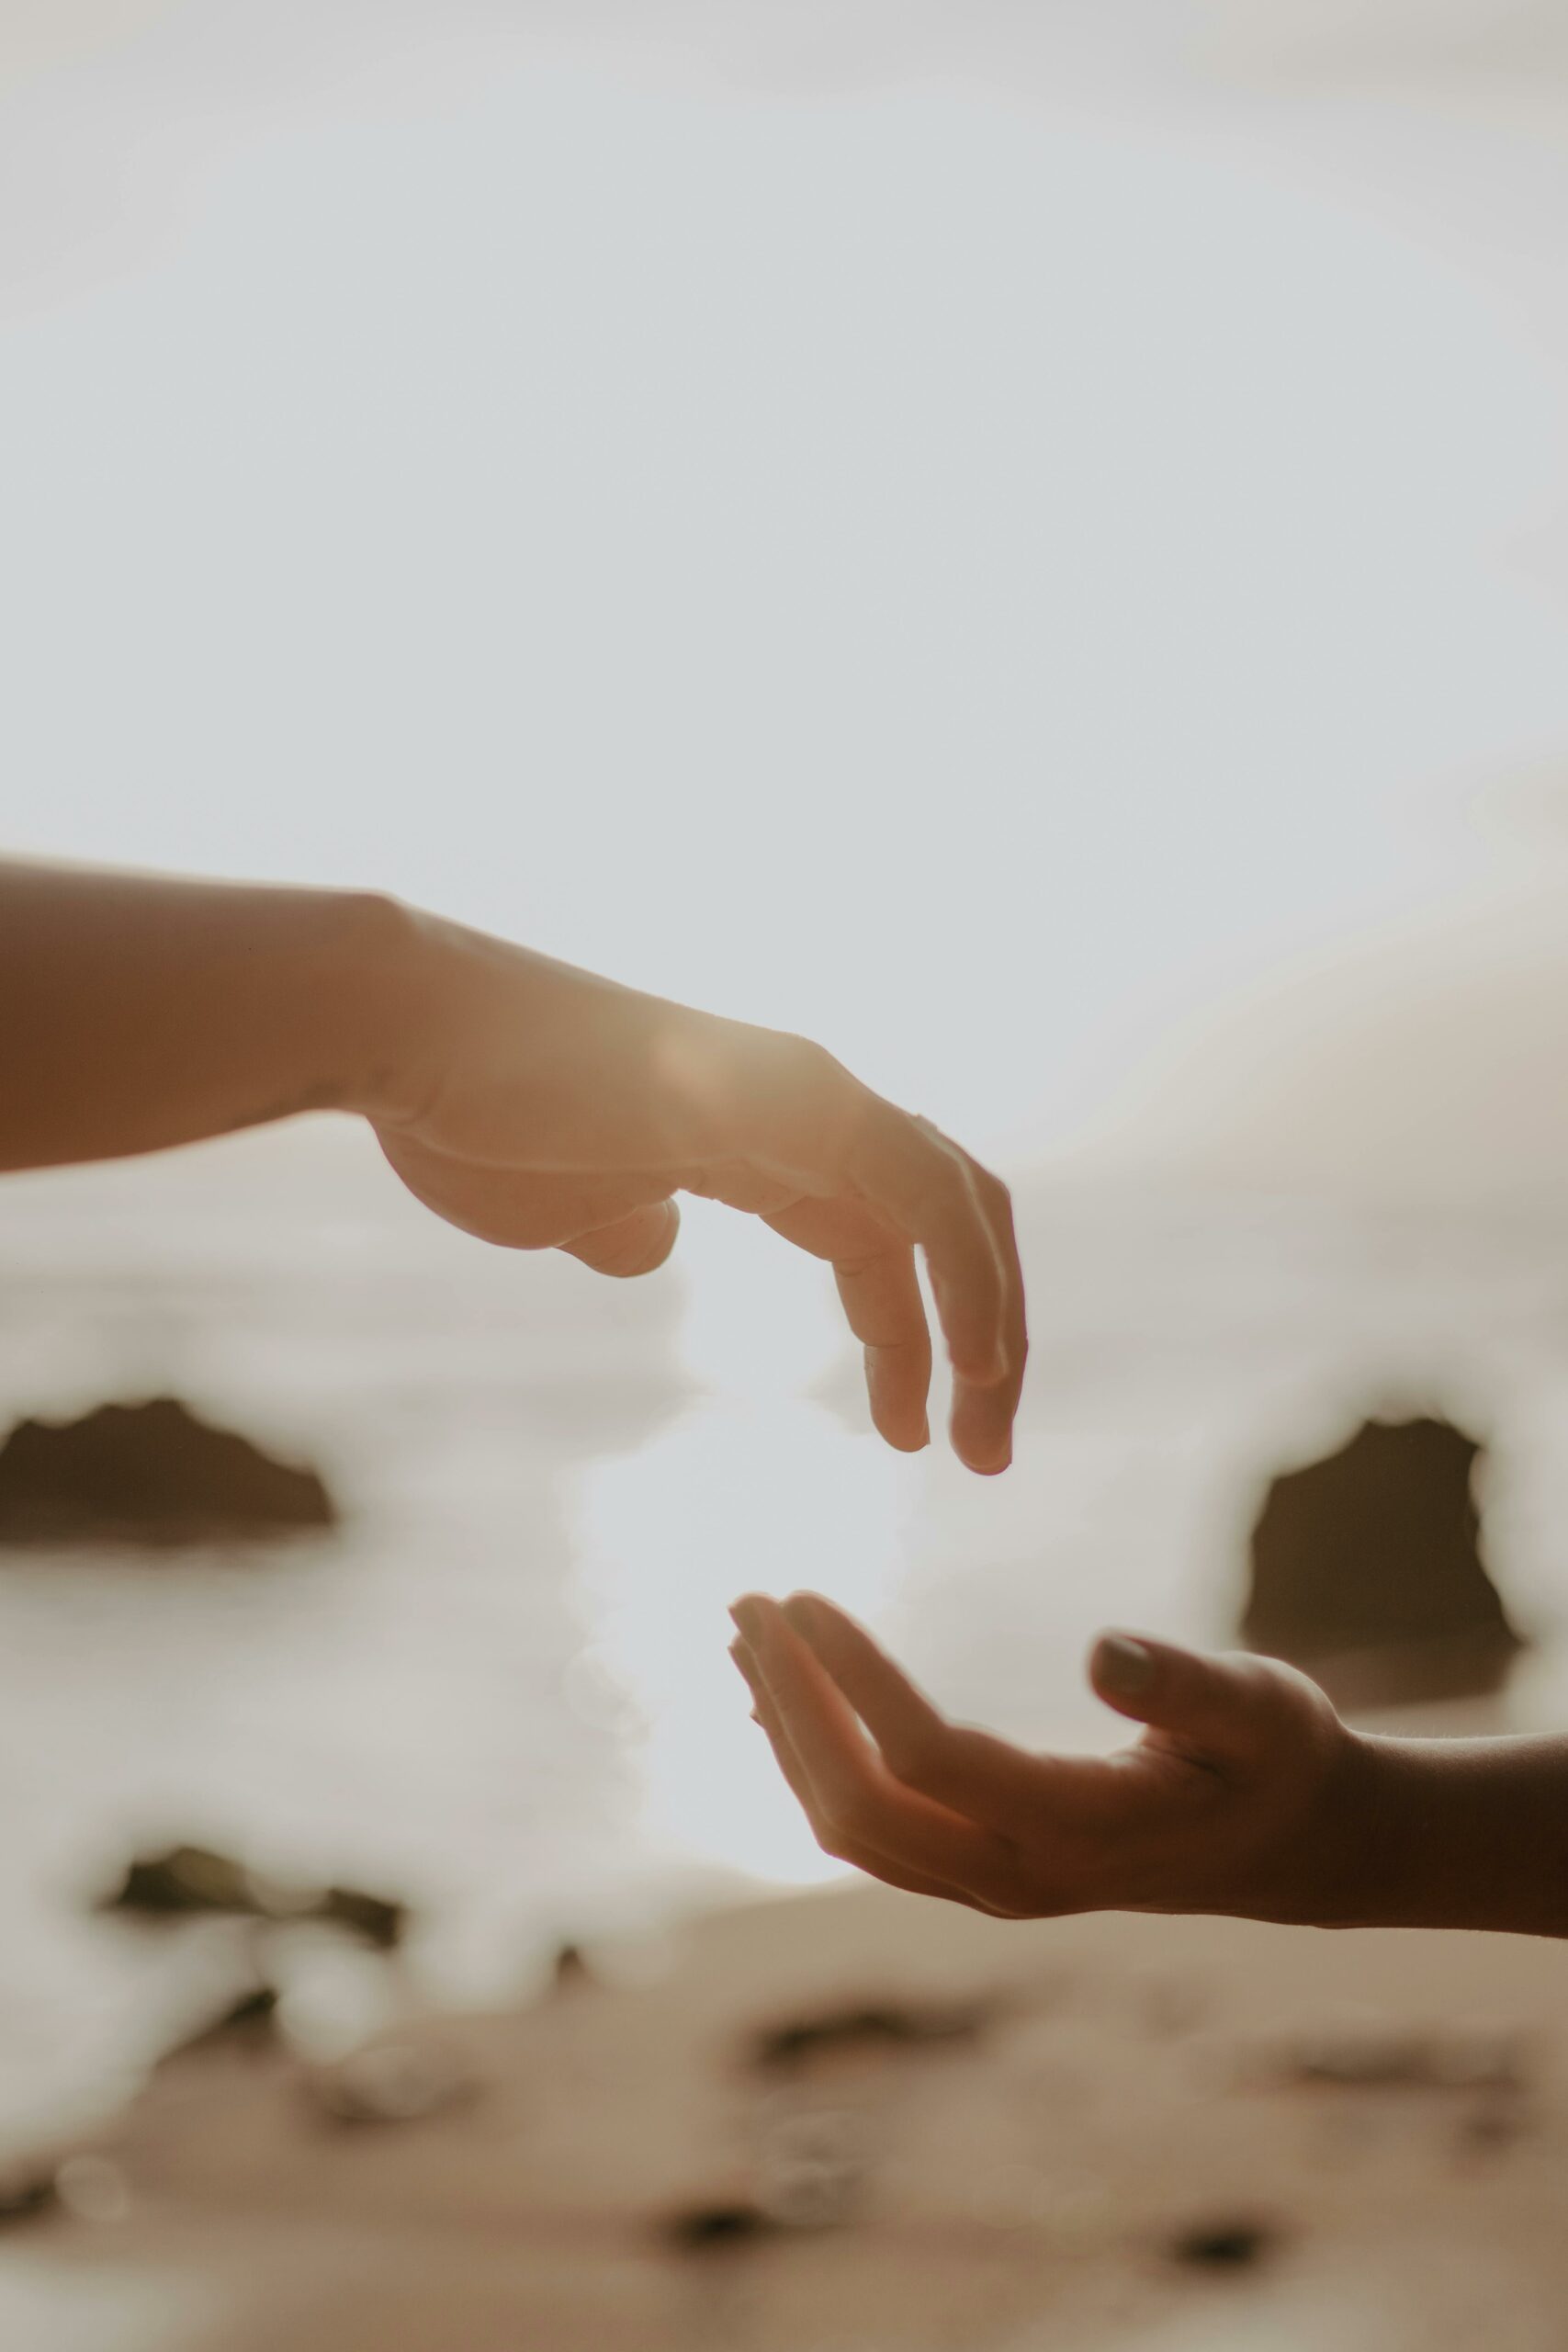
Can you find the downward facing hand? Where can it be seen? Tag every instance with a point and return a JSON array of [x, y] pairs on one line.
[[538, 1106]]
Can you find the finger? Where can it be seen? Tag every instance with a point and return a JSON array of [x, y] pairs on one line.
[[983, 1415], [634, 1244], [968, 1770], [874, 1269], [861, 1858], [1210, 1705], [881, 1298], [855, 1798], [790, 1109], [912, 1174], [801, 1115]]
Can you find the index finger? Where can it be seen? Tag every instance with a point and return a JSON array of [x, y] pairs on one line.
[[855, 1797], [972, 1772]]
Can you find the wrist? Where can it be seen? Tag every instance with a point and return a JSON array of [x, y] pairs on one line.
[[379, 990], [1358, 1865]]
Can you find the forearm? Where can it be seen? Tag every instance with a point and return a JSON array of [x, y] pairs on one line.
[[1463, 1834], [136, 1011]]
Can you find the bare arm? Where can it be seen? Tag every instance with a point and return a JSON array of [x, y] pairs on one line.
[[138, 1012], [1246, 1794], [1474, 1833], [533, 1105]]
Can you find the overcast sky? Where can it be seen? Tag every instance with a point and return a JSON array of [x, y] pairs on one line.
[[977, 532]]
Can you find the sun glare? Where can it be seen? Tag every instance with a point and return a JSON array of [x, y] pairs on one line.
[[755, 1487]]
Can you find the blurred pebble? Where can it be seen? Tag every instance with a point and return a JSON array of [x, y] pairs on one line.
[[26, 2192], [569, 1968], [704, 2228], [873, 2025], [391, 2082], [1493, 2125], [1224, 2245], [1367, 2055]]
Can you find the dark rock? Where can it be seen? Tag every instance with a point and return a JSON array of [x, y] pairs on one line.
[[193, 1880], [148, 1474], [1493, 2126], [25, 2191], [704, 2227], [1224, 2245], [875, 2026], [187, 1879], [569, 1968], [372, 1917], [248, 2023], [1367, 1570]]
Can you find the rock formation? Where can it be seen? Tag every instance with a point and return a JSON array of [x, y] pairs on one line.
[[190, 1881], [148, 1474], [1367, 1570]]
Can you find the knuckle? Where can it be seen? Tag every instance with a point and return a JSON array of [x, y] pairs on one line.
[[1252, 1681], [949, 1191], [994, 1192], [812, 1065]]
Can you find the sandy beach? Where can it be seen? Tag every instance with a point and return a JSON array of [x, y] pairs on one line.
[[849, 2122]]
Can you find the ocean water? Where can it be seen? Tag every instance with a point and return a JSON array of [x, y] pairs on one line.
[[501, 1690]]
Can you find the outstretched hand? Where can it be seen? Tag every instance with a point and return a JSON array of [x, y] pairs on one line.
[[531, 1104], [540, 1106], [1243, 1795]]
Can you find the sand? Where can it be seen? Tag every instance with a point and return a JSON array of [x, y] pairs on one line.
[[1094, 2094]]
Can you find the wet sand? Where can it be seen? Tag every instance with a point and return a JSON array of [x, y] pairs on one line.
[[1173, 2135]]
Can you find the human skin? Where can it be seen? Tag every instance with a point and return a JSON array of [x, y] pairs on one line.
[[532, 1105], [1246, 1794]]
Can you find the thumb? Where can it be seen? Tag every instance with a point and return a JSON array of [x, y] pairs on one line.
[[633, 1244], [1206, 1702]]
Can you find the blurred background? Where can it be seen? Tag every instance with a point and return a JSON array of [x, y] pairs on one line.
[[1031, 544]]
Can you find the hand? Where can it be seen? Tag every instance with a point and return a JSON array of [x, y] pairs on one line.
[[539, 1106], [1246, 1793]]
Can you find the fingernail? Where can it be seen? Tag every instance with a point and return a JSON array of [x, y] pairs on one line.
[[1123, 1665], [800, 1609], [748, 1616]]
